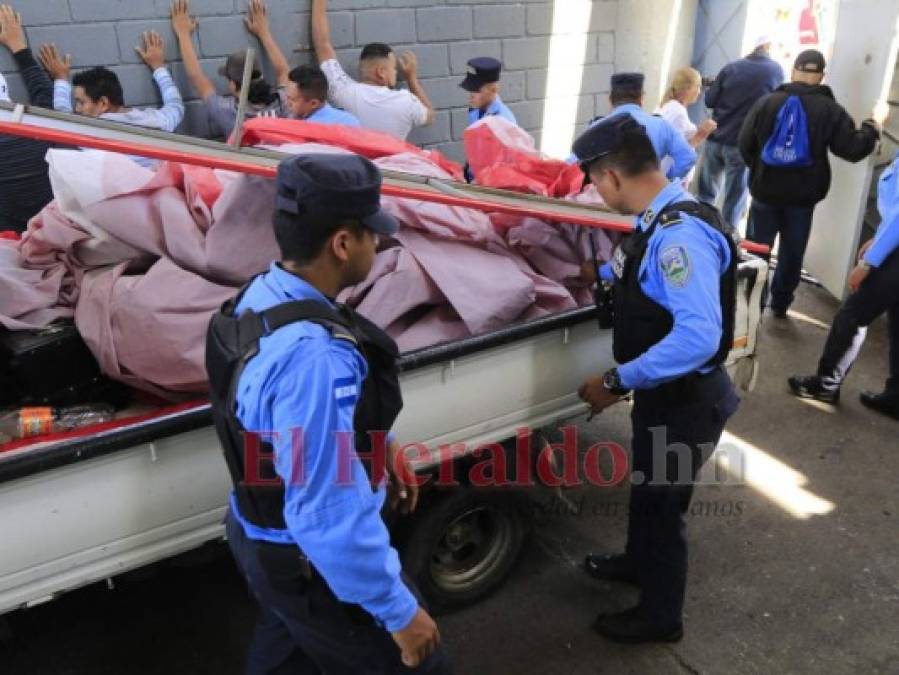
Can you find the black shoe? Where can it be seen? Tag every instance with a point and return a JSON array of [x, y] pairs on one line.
[[779, 313], [632, 627], [886, 403], [811, 386], [611, 568]]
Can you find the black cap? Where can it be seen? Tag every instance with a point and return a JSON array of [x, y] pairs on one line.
[[604, 137], [480, 71], [338, 187], [628, 82], [810, 61], [234, 65]]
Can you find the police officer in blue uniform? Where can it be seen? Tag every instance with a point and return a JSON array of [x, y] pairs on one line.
[[482, 75], [627, 97], [297, 382], [673, 282], [874, 287]]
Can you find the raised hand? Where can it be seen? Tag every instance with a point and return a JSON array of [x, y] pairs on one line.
[[54, 63], [153, 52], [183, 24], [257, 18], [11, 34]]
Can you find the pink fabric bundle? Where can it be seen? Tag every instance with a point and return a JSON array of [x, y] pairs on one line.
[[142, 259]]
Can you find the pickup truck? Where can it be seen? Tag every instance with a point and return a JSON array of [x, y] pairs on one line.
[[88, 508], [90, 505]]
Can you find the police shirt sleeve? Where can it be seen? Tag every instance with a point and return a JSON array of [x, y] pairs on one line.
[[886, 241], [682, 272], [330, 508]]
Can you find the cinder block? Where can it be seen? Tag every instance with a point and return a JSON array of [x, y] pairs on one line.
[[604, 16], [129, 34], [104, 10], [90, 45], [443, 23], [540, 19], [498, 21], [454, 151], [512, 87], [139, 87], [594, 80], [18, 92], [526, 53], [444, 92], [223, 35], [459, 122], [605, 48], [349, 59], [385, 25], [436, 132], [461, 52], [528, 113], [433, 60], [43, 12], [207, 7], [356, 4], [410, 3]]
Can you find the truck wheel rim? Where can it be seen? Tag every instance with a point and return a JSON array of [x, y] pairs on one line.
[[470, 548]]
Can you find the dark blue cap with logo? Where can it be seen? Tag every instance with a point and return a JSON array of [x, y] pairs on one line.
[[628, 82], [333, 187], [605, 137], [480, 71]]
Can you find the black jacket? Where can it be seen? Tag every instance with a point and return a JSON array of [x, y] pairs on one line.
[[829, 127], [24, 182]]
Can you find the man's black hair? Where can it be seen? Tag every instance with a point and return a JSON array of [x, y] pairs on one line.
[[634, 156], [622, 95], [311, 81], [302, 239], [99, 82], [375, 50]]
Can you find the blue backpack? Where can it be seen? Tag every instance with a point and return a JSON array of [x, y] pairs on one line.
[[788, 145]]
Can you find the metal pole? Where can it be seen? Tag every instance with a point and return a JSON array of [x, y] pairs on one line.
[[237, 136]]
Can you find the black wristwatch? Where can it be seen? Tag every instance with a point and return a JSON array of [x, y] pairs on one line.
[[611, 381]]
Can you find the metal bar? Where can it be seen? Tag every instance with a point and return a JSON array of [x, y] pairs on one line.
[[245, 85], [395, 184]]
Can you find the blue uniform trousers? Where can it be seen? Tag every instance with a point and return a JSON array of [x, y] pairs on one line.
[[688, 421], [303, 627]]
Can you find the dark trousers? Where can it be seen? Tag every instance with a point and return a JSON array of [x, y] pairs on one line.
[[672, 440], [878, 294], [303, 627], [794, 225]]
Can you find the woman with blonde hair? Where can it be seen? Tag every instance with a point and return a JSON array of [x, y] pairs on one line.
[[683, 90]]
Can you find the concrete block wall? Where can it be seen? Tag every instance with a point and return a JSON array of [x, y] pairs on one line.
[[443, 33]]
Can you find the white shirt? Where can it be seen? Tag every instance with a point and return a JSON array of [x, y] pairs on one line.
[[675, 113], [392, 111]]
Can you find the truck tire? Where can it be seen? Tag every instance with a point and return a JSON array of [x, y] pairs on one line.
[[464, 544]]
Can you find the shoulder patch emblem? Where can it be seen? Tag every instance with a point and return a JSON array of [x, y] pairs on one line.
[[675, 265]]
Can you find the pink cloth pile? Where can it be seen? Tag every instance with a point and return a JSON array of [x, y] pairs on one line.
[[143, 258]]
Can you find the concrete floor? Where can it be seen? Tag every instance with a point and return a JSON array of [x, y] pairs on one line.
[[769, 592]]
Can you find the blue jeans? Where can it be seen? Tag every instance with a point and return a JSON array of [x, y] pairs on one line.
[[718, 159], [793, 224]]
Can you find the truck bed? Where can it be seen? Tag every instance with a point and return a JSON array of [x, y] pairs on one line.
[[78, 510]]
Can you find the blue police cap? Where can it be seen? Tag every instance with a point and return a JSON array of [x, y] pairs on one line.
[[480, 71], [628, 81], [338, 187], [605, 137]]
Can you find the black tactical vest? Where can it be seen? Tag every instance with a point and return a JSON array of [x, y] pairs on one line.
[[230, 344], [641, 322]]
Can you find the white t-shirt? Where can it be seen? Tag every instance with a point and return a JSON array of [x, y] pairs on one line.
[[392, 111]]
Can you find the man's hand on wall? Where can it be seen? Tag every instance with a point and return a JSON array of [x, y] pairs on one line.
[[153, 52], [12, 36], [53, 62], [183, 24]]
